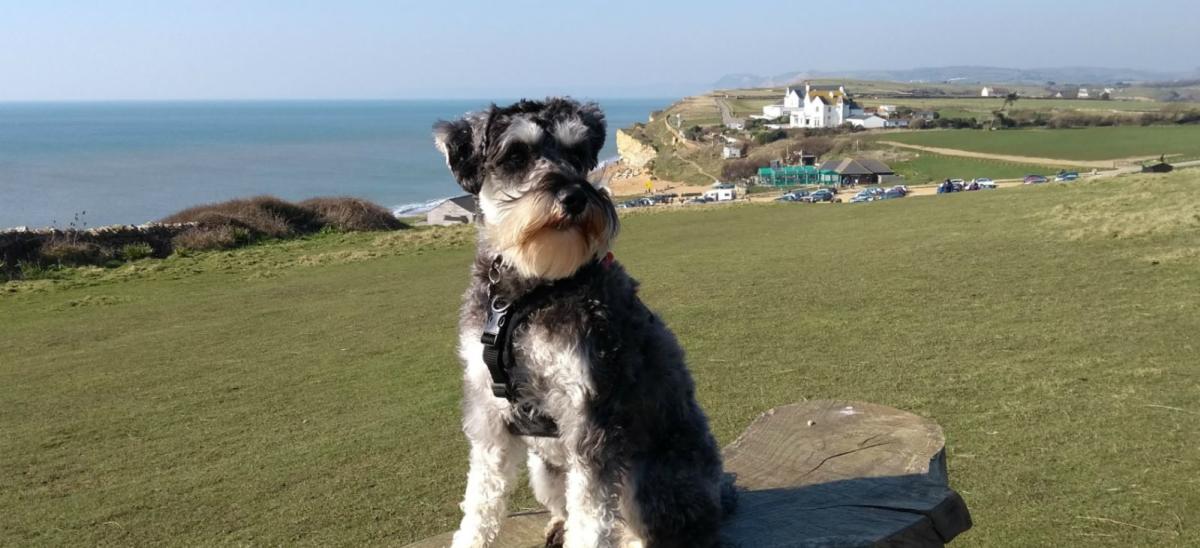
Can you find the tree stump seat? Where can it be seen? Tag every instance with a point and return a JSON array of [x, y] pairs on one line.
[[822, 474]]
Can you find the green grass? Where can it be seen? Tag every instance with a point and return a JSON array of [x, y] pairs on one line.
[[985, 106], [1101, 143], [306, 392], [926, 167]]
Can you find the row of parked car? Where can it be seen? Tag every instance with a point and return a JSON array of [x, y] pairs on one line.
[[1062, 177], [647, 201], [827, 194], [876, 193], [959, 185]]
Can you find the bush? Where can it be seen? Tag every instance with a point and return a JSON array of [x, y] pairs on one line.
[[739, 169], [765, 137], [138, 251], [261, 216], [71, 252], [207, 238], [352, 214]]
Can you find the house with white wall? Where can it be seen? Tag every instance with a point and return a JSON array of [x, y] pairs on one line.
[[814, 106]]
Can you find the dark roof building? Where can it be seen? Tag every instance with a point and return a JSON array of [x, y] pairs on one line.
[[858, 170]]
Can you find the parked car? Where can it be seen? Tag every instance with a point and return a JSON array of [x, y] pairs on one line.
[[947, 186], [892, 193], [789, 197], [1066, 176], [1035, 179], [821, 195], [985, 183], [696, 200], [862, 198]]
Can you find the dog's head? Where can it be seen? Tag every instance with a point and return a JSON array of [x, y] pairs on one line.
[[528, 164]]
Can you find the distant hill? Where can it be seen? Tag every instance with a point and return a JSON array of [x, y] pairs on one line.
[[963, 75]]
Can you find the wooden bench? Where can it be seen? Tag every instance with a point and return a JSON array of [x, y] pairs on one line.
[[823, 474]]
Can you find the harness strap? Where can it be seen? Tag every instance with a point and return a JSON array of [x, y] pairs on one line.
[[502, 318]]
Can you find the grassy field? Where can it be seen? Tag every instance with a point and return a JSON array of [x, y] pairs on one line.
[[926, 167], [307, 392], [982, 106], [1100, 143]]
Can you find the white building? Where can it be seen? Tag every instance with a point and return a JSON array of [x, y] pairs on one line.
[[867, 121], [986, 92], [814, 106], [1083, 93], [457, 210]]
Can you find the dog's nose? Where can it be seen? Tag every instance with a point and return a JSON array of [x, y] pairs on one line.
[[573, 200]]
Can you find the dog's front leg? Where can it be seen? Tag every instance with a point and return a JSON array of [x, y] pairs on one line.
[[592, 506], [495, 461]]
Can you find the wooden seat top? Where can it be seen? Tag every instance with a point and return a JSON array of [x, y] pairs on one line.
[[823, 474]]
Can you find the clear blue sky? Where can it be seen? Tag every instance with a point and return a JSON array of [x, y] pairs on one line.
[[237, 49]]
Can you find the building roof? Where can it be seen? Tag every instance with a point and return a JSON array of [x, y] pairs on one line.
[[876, 167], [466, 201]]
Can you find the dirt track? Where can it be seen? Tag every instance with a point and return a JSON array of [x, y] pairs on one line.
[[1095, 164]]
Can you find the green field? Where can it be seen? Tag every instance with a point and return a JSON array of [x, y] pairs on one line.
[[306, 392], [1100, 143], [985, 105], [928, 167]]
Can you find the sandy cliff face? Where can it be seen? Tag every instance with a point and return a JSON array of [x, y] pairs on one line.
[[634, 153]]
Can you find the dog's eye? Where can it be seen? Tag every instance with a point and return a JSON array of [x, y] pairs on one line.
[[515, 158]]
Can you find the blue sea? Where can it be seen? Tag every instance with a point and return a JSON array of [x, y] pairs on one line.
[[130, 163]]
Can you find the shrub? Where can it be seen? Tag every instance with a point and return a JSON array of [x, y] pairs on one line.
[[137, 251], [71, 252], [261, 216], [739, 169], [211, 237], [352, 214]]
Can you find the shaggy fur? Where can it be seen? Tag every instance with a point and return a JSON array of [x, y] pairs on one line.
[[635, 463]]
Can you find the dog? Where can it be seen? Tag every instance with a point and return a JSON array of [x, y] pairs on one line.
[[564, 366]]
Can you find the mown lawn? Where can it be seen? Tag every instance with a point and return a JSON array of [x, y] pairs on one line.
[[307, 392], [926, 167], [1100, 143]]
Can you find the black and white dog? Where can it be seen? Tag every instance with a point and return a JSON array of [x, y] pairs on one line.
[[565, 367]]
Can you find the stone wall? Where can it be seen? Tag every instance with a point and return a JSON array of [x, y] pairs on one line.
[[634, 153], [20, 245]]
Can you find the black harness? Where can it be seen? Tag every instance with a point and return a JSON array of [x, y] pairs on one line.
[[503, 317]]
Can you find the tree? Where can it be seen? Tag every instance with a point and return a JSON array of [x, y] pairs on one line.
[[999, 118], [735, 170]]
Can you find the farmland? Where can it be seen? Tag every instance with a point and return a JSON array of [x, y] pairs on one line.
[[927, 167], [1101, 143], [306, 392]]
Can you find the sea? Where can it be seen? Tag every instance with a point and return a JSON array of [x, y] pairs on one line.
[[96, 164]]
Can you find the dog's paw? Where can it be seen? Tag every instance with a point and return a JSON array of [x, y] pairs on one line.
[[554, 534]]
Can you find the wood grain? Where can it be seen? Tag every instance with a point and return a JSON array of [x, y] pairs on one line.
[[823, 474]]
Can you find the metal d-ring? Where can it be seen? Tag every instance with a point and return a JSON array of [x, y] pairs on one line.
[[499, 304]]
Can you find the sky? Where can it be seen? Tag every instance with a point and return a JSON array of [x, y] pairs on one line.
[[52, 50]]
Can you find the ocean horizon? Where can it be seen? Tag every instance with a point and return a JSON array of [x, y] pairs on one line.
[[118, 162]]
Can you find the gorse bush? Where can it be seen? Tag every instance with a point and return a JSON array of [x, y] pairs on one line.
[[352, 214], [138, 251], [235, 223]]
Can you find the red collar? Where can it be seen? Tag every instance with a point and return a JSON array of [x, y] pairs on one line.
[[607, 261]]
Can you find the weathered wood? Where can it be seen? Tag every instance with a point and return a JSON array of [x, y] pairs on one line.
[[824, 474]]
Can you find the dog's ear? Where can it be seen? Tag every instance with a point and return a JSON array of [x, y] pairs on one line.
[[592, 117], [456, 140]]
